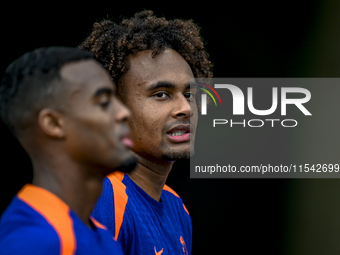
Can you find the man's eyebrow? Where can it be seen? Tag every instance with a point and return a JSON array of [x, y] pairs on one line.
[[161, 84], [169, 85], [101, 91]]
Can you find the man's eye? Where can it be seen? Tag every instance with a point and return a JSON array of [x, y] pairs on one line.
[[105, 104], [161, 95], [189, 96], [105, 101]]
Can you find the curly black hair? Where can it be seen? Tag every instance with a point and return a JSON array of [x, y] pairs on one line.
[[112, 43]]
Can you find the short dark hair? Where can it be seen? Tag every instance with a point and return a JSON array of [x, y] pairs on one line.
[[32, 82], [112, 43]]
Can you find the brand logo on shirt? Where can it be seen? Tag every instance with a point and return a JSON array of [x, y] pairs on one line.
[[184, 246], [158, 253]]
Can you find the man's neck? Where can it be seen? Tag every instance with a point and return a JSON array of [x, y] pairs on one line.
[[79, 192], [151, 176]]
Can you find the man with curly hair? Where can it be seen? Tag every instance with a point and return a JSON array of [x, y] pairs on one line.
[[153, 62]]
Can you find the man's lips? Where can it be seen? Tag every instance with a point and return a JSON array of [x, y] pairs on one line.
[[126, 140], [180, 133]]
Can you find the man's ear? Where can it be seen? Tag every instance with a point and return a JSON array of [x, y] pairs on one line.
[[51, 123]]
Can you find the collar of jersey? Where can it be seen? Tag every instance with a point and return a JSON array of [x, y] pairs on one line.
[[148, 199]]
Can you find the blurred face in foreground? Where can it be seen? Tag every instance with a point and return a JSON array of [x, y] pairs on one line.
[[95, 118]]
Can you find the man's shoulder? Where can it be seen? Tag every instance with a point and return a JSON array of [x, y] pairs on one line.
[[116, 176], [23, 231], [20, 215], [115, 180], [170, 190], [113, 190], [110, 207], [174, 198], [114, 185]]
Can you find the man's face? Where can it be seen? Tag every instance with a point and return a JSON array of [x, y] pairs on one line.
[[95, 120], [164, 112]]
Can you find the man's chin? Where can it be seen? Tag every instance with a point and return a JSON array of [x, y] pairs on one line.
[[176, 155]]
